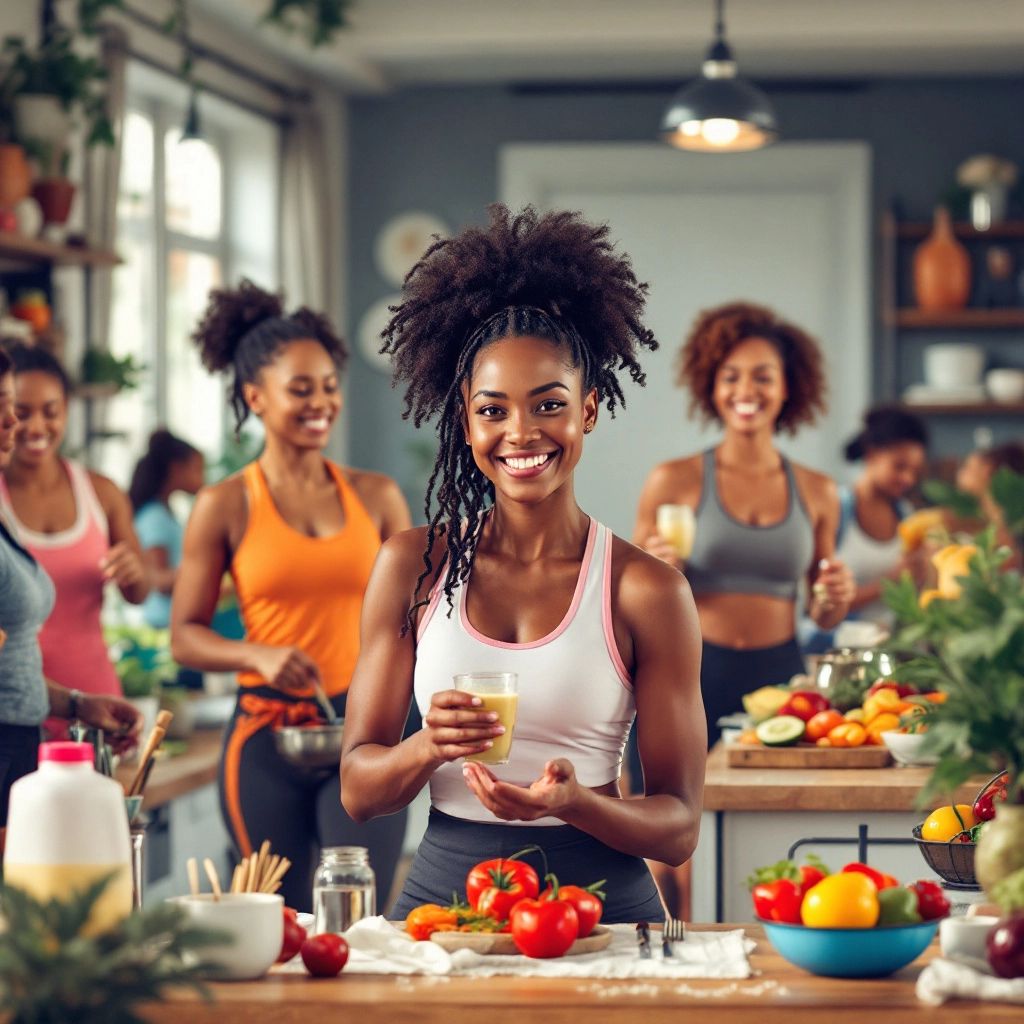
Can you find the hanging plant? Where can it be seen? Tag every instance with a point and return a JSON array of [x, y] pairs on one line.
[[319, 20]]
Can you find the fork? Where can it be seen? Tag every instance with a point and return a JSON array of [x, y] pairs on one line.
[[673, 930]]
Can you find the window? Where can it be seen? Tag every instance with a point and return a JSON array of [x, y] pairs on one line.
[[192, 215]]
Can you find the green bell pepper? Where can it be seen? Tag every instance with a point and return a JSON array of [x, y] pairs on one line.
[[898, 905]]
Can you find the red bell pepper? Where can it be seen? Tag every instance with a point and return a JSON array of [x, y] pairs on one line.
[[880, 878], [778, 901]]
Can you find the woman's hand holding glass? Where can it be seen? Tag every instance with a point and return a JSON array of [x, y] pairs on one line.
[[457, 725], [673, 541]]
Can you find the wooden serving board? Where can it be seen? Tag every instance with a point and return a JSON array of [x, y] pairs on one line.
[[746, 755], [501, 942]]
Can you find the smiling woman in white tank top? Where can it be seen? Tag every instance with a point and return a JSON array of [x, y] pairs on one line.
[[513, 336]]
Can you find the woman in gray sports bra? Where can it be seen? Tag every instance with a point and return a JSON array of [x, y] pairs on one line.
[[762, 523]]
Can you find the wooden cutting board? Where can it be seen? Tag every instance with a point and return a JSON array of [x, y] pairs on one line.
[[501, 942], [746, 755]]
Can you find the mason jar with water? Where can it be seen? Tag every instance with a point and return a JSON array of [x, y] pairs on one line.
[[344, 889]]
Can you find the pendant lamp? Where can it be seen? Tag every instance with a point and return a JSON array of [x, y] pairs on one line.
[[719, 112]]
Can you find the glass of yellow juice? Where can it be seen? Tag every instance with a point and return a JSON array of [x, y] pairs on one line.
[[499, 692], [676, 526]]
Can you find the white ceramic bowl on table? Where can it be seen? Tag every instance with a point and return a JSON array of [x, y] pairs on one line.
[[905, 747], [1005, 384], [255, 921]]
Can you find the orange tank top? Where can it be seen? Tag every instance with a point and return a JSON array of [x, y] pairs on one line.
[[301, 591]]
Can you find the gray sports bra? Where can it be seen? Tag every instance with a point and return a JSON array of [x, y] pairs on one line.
[[732, 557]]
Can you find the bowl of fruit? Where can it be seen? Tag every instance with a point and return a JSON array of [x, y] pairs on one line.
[[854, 923], [947, 837]]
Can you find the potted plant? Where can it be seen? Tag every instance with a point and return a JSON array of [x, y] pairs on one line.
[[965, 637]]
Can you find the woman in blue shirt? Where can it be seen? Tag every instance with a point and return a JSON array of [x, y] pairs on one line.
[[170, 464]]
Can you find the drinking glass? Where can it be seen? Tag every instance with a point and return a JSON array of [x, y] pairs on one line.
[[498, 691], [676, 526]]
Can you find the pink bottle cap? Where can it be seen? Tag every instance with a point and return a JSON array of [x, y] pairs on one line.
[[66, 752]]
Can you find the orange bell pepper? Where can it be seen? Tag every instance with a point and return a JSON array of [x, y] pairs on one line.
[[882, 723], [424, 920], [849, 734]]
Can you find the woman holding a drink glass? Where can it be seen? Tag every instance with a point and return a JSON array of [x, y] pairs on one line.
[[514, 335], [761, 524]]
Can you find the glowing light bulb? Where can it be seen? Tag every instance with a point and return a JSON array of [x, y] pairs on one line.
[[720, 131]]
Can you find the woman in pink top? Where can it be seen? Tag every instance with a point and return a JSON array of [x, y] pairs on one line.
[[76, 523]]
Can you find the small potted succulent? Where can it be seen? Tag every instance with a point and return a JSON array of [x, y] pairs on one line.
[[989, 179]]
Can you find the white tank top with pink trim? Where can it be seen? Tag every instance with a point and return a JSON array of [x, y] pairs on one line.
[[575, 696]]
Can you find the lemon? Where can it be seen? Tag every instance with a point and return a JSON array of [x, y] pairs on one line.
[[846, 900], [942, 824]]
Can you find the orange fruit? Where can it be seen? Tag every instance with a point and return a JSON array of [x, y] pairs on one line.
[[822, 724], [942, 824], [846, 900]]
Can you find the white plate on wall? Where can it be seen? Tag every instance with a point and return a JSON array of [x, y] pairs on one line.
[[402, 241]]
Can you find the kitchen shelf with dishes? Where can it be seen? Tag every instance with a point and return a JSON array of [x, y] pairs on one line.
[[983, 272]]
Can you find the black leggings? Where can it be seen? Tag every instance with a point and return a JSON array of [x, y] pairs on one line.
[[299, 811], [451, 846], [19, 755]]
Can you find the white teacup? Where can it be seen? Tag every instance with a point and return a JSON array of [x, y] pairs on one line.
[[255, 921], [963, 938]]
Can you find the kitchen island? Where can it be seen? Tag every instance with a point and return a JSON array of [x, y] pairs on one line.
[[753, 816], [778, 994]]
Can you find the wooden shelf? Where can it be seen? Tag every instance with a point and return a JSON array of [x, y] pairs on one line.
[[1007, 229], [955, 319], [23, 252], [966, 408]]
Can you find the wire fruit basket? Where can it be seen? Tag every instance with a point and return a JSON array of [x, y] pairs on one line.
[[953, 861]]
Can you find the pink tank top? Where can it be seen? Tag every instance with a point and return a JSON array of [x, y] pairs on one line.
[[71, 639], [575, 696]]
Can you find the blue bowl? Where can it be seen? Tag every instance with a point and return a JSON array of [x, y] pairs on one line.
[[850, 952]]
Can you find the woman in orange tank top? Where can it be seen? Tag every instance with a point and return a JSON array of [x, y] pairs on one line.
[[299, 536]]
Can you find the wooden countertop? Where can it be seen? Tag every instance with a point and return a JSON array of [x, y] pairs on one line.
[[816, 789], [178, 776], [778, 994]]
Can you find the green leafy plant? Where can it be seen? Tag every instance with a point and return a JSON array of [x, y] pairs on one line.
[[52, 973], [319, 20], [968, 642], [102, 367], [142, 658]]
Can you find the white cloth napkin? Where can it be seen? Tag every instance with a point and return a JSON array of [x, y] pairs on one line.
[[948, 979], [377, 946]]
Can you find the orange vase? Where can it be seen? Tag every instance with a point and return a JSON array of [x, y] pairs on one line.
[[942, 267], [15, 181]]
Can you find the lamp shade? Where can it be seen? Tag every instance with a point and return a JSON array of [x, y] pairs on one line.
[[719, 111]]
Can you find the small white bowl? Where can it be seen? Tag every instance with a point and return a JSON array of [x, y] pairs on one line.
[[1005, 384], [255, 921], [905, 747], [963, 938]]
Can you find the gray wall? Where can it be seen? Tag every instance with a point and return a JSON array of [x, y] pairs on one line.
[[437, 150]]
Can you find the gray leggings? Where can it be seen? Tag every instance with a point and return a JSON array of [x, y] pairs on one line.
[[300, 813]]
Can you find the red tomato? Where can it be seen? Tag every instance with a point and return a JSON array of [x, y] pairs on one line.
[[294, 936], [324, 955], [498, 903], [587, 902], [822, 724], [293, 914], [931, 900], [809, 876], [880, 878], [512, 876], [778, 901], [804, 704], [544, 928]]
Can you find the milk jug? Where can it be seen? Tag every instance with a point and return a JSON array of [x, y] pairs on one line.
[[66, 828]]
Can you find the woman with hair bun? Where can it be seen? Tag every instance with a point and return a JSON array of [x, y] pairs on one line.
[[299, 536], [514, 335], [170, 464], [893, 446], [76, 523]]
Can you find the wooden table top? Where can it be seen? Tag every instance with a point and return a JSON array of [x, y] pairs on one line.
[[816, 789], [778, 994]]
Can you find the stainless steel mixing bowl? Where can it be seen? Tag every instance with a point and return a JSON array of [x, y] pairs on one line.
[[316, 747]]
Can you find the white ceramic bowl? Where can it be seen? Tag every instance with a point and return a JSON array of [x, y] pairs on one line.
[[963, 938], [905, 747], [953, 366], [1005, 384], [256, 923]]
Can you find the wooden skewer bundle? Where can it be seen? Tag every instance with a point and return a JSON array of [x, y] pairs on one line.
[[260, 871]]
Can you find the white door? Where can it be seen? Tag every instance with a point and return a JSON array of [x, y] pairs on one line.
[[787, 227]]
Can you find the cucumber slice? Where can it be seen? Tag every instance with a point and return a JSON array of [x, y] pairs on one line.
[[780, 731]]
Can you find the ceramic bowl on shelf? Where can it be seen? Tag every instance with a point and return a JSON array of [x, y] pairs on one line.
[[1005, 384], [905, 747], [850, 952], [953, 366]]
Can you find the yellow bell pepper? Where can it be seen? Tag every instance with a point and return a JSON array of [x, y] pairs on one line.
[[952, 563], [918, 525], [880, 702]]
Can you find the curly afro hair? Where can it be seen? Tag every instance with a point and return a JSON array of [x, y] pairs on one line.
[[244, 328], [718, 331], [551, 276]]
